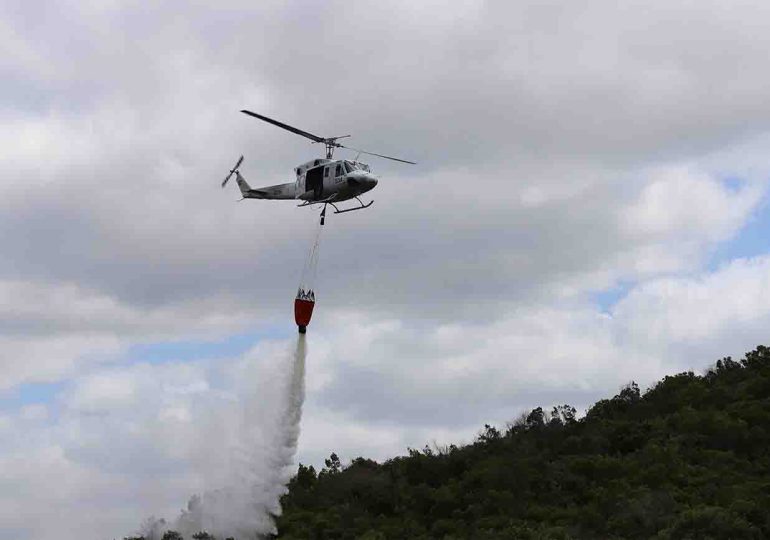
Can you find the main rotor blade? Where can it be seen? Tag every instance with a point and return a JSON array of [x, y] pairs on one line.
[[378, 155], [287, 127]]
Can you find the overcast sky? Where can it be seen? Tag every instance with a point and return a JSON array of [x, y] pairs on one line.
[[590, 208]]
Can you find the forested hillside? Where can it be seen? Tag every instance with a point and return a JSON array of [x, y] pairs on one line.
[[689, 458]]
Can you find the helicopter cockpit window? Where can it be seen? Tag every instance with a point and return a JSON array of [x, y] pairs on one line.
[[338, 171], [349, 167]]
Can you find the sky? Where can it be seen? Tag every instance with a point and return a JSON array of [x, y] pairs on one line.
[[591, 206]]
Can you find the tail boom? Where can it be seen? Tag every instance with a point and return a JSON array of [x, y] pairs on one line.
[[278, 191]]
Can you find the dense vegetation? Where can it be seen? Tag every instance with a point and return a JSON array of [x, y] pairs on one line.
[[689, 458]]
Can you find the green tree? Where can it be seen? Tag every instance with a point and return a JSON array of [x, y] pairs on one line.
[[333, 465]]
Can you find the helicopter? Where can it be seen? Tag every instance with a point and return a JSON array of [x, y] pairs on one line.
[[318, 181]]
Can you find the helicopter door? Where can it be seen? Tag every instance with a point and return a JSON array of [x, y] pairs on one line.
[[314, 182]]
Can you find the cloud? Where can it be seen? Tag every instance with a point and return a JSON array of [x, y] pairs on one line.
[[681, 203], [50, 329], [386, 373], [132, 441], [717, 311], [124, 206], [563, 150], [47, 359]]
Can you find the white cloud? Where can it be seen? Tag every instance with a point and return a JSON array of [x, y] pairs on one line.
[[563, 149], [720, 312], [51, 330], [680, 204], [388, 373], [155, 434], [51, 358]]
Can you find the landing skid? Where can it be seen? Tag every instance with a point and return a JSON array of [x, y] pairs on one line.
[[338, 211], [328, 201]]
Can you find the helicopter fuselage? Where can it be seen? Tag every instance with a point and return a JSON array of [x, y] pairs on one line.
[[323, 181], [337, 180]]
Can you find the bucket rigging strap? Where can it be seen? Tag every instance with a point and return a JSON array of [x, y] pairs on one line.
[[310, 269]]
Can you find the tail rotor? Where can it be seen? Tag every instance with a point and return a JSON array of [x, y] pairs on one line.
[[232, 171]]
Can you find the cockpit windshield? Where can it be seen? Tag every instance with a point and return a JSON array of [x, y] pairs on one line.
[[355, 165]]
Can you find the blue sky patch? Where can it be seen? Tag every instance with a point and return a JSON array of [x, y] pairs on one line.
[[607, 298], [733, 183], [751, 241], [29, 394]]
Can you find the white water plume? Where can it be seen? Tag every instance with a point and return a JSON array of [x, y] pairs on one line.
[[257, 461]]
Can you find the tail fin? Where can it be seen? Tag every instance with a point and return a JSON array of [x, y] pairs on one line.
[[245, 187]]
